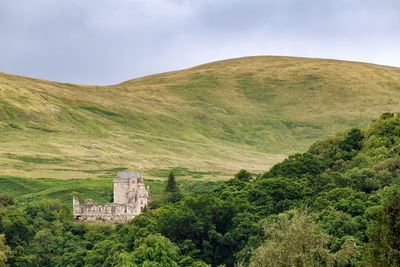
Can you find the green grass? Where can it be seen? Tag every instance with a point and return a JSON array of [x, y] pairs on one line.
[[254, 89], [294, 124], [112, 171], [181, 171], [106, 173], [100, 111], [100, 190], [36, 160], [213, 119]]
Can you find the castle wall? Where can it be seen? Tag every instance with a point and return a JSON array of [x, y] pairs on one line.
[[110, 213], [130, 198]]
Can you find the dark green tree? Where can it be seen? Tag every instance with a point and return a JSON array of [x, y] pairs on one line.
[[154, 250], [243, 175], [384, 232], [352, 141], [171, 184], [296, 166], [43, 248]]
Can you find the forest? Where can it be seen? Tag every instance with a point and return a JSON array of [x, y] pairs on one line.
[[337, 204]]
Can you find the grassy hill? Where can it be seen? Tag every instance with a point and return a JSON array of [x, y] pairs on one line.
[[204, 122]]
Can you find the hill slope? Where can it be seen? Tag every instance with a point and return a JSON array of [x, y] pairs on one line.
[[212, 119]]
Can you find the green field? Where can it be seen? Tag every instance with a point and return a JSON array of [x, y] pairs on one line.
[[100, 190], [208, 121]]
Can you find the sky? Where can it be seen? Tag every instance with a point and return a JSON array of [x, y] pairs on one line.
[[105, 42]]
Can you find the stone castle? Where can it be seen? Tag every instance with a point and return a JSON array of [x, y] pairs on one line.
[[130, 198]]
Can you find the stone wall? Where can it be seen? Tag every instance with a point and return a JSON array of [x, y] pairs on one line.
[[110, 213]]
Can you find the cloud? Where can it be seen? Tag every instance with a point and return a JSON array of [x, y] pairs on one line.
[[109, 41]]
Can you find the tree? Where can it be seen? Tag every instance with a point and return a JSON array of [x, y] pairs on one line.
[[104, 253], [243, 175], [5, 251], [297, 241], [171, 184], [17, 228], [6, 199], [198, 225], [352, 141], [297, 166], [384, 231], [42, 248], [154, 250]]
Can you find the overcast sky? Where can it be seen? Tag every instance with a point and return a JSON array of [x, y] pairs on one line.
[[109, 41]]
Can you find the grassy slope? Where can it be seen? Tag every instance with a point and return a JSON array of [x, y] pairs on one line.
[[100, 190], [218, 117]]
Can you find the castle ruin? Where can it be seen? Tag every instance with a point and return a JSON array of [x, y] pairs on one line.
[[130, 198]]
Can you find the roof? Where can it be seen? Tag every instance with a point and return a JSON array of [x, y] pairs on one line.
[[127, 175]]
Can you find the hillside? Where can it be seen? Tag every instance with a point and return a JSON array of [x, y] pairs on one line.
[[338, 204], [209, 121]]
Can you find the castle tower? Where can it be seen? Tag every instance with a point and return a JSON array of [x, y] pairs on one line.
[[125, 187], [76, 207]]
